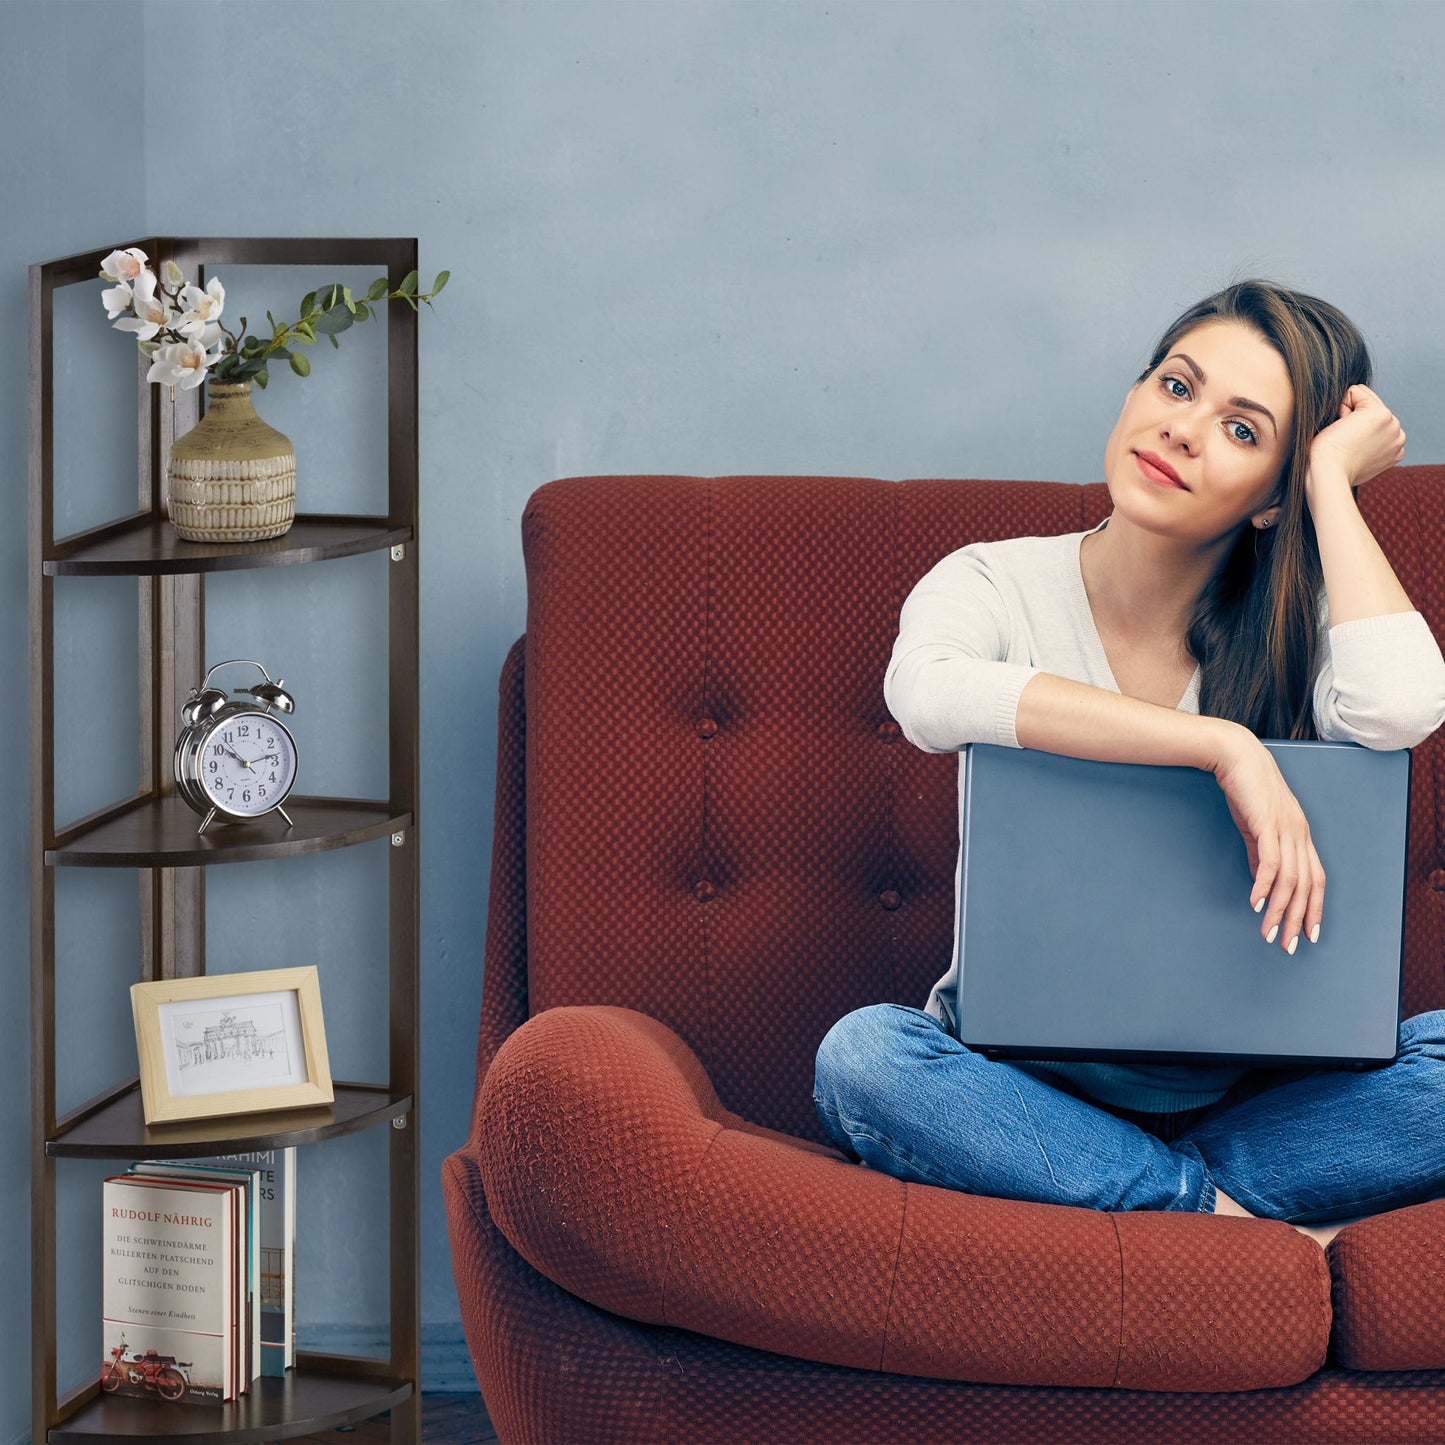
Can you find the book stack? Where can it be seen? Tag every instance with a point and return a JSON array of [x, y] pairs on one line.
[[198, 1298]]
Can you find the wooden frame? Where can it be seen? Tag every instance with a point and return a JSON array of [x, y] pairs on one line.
[[153, 1005]]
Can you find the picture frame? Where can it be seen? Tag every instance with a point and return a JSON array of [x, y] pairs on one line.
[[231, 1043]]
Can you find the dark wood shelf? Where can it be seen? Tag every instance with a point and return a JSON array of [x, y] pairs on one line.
[[146, 545], [276, 1409], [161, 833], [116, 1127], [154, 832]]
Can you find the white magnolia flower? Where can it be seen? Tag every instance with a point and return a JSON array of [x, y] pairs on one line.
[[123, 265], [201, 307], [116, 301], [183, 364], [151, 311], [173, 274]]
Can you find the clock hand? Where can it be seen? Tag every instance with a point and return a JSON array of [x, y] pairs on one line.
[[236, 755]]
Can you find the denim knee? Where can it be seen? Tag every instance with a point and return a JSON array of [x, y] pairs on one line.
[[849, 1052], [1424, 1033]]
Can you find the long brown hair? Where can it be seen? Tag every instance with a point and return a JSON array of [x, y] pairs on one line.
[[1255, 630]]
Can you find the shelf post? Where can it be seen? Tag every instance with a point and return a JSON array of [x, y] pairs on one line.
[[404, 690]]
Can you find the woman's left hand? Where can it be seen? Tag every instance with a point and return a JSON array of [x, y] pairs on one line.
[[1364, 441]]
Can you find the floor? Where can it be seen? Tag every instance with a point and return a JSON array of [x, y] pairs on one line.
[[445, 1420]]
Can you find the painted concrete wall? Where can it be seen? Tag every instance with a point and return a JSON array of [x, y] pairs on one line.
[[890, 239]]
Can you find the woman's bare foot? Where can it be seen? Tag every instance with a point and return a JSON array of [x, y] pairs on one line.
[[1322, 1234], [1223, 1204]]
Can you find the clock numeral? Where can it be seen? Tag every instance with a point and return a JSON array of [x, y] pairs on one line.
[[261, 791], [272, 778], [246, 796], [271, 742], [229, 736], [217, 750], [215, 766], [220, 783], [245, 730]]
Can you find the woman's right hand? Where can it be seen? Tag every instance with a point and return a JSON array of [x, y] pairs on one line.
[[1288, 877]]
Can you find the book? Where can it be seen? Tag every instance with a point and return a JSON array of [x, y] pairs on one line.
[[278, 1254], [276, 1191], [248, 1231], [169, 1292], [240, 1319]]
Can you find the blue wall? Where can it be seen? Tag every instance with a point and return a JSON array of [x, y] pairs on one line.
[[875, 238]]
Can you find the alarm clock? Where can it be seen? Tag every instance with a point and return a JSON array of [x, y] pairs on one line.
[[235, 759]]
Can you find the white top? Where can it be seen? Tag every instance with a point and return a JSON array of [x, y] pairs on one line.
[[992, 615]]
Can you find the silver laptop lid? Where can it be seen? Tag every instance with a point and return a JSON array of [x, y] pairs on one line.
[[1104, 912]]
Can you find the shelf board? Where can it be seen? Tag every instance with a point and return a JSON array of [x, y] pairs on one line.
[[147, 546], [302, 1403], [117, 1128], [160, 832]]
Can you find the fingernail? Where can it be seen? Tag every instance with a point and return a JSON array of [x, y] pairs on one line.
[[1315, 934], [1259, 905], [1273, 934], [1293, 944]]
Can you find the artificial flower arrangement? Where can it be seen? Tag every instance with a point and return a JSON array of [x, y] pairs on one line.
[[179, 326]]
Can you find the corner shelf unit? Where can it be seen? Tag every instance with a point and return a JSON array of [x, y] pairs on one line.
[[154, 832]]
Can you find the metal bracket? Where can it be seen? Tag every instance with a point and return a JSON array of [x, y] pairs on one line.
[[399, 1122], [398, 553], [398, 840]]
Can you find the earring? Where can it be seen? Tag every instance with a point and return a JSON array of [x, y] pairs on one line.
[[1264, 521]]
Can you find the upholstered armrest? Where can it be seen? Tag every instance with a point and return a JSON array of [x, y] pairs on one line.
[[610, 1165], [1389, 1280]]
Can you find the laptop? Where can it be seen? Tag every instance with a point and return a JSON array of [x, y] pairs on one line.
[[1103, 913]]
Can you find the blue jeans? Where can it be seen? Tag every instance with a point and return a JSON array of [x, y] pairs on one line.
[[895, 1089]]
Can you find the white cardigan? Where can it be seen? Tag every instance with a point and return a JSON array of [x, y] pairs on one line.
[[992, 615]]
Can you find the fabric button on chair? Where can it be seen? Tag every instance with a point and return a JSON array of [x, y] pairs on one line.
[[704, 891], [706, 727], [890, 899], [889, 731]]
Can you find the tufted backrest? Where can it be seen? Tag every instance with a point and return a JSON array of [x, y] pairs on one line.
[[724, 828]]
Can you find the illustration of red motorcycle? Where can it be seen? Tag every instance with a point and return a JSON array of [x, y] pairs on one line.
[[147, 1370]]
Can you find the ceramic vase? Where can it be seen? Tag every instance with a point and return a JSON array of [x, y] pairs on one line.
[[232, 477]]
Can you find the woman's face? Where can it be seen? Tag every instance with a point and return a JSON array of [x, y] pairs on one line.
[[1202, 441]]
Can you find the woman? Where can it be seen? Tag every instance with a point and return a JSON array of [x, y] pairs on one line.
[[1234, 593]]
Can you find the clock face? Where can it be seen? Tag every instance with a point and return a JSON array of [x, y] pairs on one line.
[[247, 764]]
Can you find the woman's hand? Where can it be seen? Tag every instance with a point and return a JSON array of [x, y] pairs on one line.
[[1289, 881], [1365, 440]]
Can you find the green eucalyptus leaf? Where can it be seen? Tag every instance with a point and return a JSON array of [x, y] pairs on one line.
[[334, 321], [300, 365], [378, 289], [280, 353], [442, 278], [335, 342], [261, 379], [361, 311], [412, 304], [307, 302], [408, 284], [346, 297]]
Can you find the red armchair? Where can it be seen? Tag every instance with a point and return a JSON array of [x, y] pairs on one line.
[[711, 842]]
